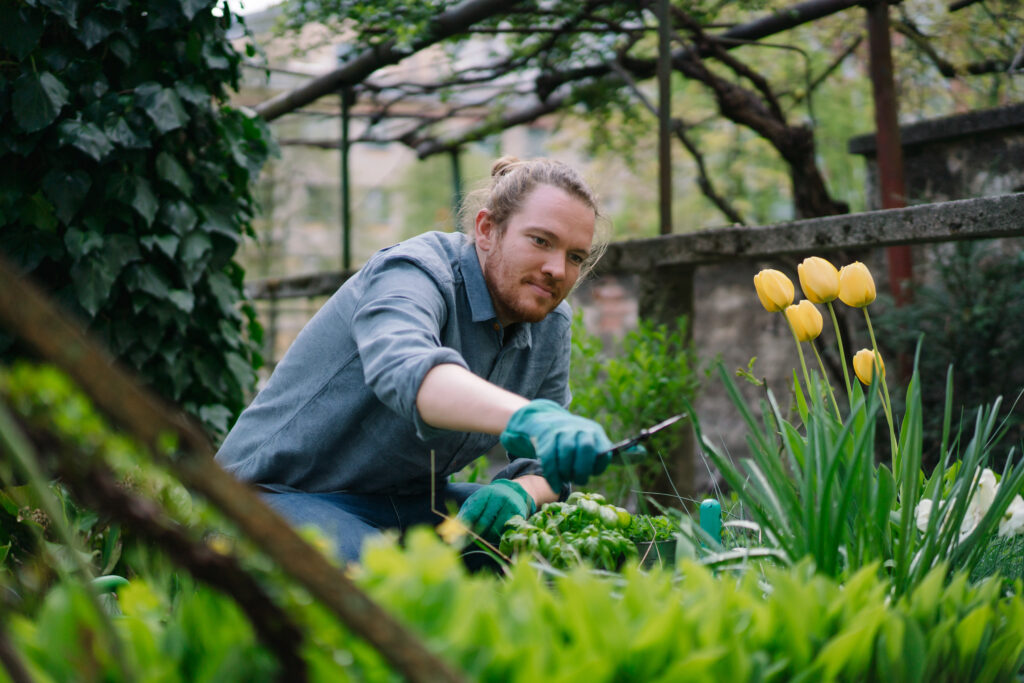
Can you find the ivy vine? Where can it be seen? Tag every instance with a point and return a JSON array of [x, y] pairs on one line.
[[125, 184]]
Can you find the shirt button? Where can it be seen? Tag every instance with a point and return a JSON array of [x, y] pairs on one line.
[[497, 327]]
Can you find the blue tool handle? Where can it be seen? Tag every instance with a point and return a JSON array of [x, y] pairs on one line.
[[711, 518]]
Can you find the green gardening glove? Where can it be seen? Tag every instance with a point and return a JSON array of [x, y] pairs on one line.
[[570, 448], [487, 510]]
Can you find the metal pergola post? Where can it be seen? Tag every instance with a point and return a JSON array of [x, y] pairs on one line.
[[664, 120], [889, 148], [456, 188], [346, 204]]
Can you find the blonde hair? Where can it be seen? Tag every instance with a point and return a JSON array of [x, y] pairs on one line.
[[512, 180]]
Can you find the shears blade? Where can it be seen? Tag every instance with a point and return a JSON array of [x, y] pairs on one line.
[[619, 452]]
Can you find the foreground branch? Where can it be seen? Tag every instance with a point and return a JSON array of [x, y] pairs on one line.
[[32, 317]]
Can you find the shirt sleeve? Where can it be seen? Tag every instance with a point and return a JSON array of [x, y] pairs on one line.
[[397, 328]]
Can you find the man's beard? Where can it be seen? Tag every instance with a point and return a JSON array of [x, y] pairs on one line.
[[508, 291]]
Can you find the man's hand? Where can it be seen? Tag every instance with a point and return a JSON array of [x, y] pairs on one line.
[[570, 448], [487, 510]]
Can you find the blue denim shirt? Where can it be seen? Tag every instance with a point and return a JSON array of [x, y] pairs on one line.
[[339, 412]]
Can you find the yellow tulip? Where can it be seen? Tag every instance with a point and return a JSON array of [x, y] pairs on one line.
[[805, 320], [819, 279], [774, 289], [864, 365], [856, 286]]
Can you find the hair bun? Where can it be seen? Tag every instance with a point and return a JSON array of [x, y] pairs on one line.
[[503, 166]]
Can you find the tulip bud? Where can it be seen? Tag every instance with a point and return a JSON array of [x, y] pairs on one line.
[[819, 279], [774, 289], [856, 286], [805, 320], [864, 365]]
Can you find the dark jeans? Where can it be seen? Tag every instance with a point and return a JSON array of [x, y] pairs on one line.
[[348, 518]]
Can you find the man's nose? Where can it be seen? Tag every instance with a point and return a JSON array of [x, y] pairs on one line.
[[554, 265]]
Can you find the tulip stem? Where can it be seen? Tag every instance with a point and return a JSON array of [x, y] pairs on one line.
[[842, 353], [886, 402], [828, 384], [800, 352]]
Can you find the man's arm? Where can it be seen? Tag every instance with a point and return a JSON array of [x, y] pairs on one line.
[[452, 397]]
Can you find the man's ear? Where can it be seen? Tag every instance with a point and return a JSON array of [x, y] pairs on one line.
[[486, 232]]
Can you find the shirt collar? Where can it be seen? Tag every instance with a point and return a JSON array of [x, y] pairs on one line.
[[480, 304]]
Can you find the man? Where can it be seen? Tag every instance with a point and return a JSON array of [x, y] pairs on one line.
[[437, 348]]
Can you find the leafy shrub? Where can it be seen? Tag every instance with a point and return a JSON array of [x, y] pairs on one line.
[[124, 184], [971, 317], [648, 380]]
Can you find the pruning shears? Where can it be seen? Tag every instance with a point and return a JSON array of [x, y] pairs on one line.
[[623, 453]]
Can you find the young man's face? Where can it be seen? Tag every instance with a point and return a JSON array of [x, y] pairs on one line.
[[531, 266]]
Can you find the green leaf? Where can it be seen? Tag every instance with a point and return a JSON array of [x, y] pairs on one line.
[[223, 291], [119, 250], [65, 9], [95, 28], [80, 243], [149, 279], [85, 136], [144, 201], [214, 56], [20, 29], [93, 281], [194, 246], [162, 106], [121, 49], [192, 93], [37, 100], [38, 212], [169, 170], [66, 190], [120, 132], [179, 216], [165, 243], [183, 299]]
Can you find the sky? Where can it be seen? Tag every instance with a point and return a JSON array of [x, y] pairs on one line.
[[249, 6]]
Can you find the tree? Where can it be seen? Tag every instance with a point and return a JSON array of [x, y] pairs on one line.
[[594, 59]]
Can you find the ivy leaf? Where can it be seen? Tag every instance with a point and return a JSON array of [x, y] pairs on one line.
[[121, 49], [219, 221], [214, 56], [80, 243], [192, 93], [37, 211], [217, 416], [37, 100], [65, 9], [92, 283], [66, 190], [95, 29], [120, 132], [179, 216], [222, 290], [144, 202], [241, 370], [85, 136], [162, 105], [165, 243], [20, 29], [183, 299], [148, 279], [169, 170], [190, 8], [119, 250], [194, 246]]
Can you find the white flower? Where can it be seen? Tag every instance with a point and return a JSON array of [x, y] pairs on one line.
[[922, 513], [1012, 522], [981, 500]]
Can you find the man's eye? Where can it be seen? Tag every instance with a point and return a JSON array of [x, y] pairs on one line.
[[577, 259], [539, 241]]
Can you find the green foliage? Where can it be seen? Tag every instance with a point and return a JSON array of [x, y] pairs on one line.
[[816, 491], [651, 378], [124, 185], [971, 317]]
